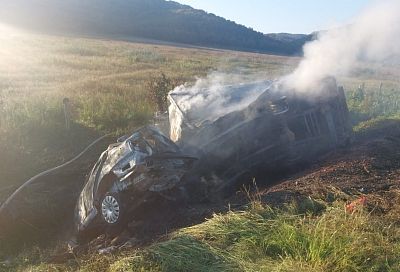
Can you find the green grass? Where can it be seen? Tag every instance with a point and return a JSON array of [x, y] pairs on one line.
[[373, 103], [377, 123], [264, 239]]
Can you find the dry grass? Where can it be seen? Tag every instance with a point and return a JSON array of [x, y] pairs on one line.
[[262, 239]]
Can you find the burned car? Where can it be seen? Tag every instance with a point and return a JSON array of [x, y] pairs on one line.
[[273, 130], [278, 129], [133, 171]]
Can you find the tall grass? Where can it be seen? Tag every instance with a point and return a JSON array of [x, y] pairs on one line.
[[268, 240], [265, 239], [374, 102], [334, 241]]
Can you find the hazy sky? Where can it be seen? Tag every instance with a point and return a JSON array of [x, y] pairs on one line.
[[293, 16]]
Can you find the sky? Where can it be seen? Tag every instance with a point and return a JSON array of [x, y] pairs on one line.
[[291, 16]]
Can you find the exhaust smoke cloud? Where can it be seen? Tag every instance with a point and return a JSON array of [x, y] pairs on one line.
[[373, 36]]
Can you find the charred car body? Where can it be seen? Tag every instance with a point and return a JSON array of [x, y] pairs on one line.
[[278, 129], [137, 169], [275, 130]]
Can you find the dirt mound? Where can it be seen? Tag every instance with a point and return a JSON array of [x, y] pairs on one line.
[[370, 168]]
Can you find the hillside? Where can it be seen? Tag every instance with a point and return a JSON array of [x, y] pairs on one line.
[[149, 19]]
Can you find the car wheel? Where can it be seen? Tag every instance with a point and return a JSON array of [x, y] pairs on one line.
[[111, 210]]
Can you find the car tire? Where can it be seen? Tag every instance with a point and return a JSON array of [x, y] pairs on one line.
[[112, 212]]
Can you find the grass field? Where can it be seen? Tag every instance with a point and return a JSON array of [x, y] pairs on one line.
[[106, 82]]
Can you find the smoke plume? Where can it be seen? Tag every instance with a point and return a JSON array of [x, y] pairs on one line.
[[216, 95], [373, 36]]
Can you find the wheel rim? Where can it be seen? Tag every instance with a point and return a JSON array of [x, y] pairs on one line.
[[110, 209]]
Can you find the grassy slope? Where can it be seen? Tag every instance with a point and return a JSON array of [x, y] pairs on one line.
[[106, 82], [261, 239]]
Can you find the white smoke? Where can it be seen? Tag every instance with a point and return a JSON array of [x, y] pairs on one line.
[[374, 36], [216, 95]]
